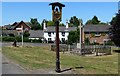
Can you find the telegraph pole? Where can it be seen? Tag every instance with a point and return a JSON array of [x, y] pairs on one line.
[[22, 36], [80, 36]]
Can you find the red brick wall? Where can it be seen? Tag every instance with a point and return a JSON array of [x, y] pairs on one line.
[[24, 26]]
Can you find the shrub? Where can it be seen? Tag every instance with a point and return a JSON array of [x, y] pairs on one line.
[[109, 43], [26, 34], [19, 39], [8, 38], [35, 40], [87, 41]]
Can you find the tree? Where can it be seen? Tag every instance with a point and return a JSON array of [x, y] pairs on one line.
[[61, 24], [102, 23], [73, 36], [35, 25], [112, 21], [87, 41], [26, 34], [50, 23], [94, 21], [74, 21], [115, 30]]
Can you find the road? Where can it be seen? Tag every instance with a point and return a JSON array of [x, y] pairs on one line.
[[25, 44]]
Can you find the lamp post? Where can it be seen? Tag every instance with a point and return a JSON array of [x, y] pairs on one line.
[[56, 17]]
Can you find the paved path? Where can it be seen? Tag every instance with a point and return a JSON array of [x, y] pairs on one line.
[[9, 67]]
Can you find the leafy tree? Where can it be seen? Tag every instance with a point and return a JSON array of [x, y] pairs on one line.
[[35, 25], [115, 29], [112, 21], [74, 21], [94, 20], [87, 41], [50, 23], [73, 36], [102, 23], [61, 24], [26, 34]]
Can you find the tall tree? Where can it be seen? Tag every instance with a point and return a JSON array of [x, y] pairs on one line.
[[51, 23], [115, 29], [94, 21], [35, 25], [73, 36], [74, 21]]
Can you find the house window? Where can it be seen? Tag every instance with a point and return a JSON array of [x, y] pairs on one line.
[[49, 39], [53, 32], [63, 33], [49, 34], [63, 39]]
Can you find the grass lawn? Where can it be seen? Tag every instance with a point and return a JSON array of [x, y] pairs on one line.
[[42, 58]]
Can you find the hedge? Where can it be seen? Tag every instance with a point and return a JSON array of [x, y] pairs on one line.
[[19, 39]]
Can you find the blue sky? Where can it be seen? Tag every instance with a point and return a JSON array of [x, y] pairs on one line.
[[17, 11]]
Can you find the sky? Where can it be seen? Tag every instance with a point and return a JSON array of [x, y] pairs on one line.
[[60, 0], [18, 11]]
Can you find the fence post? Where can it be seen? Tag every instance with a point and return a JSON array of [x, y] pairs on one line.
[[68, 47], [96, 49], [111, 49]]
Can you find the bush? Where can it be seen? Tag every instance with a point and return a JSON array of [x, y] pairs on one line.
[[26, 39], [26, 34], [93, 34], [50, 42], [35, 40], [87, 41], [8, 38], [109, 43], [19, 39]]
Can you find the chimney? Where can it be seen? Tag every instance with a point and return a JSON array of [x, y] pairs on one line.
[[44, 26], [66, 24]]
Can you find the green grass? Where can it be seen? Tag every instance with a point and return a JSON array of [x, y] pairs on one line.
[[42, 57]]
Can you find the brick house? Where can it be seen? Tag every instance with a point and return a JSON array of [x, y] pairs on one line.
[[26, 26], [97, 33]]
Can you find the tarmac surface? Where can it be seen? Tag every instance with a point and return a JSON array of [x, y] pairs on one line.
[[10, 67]]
